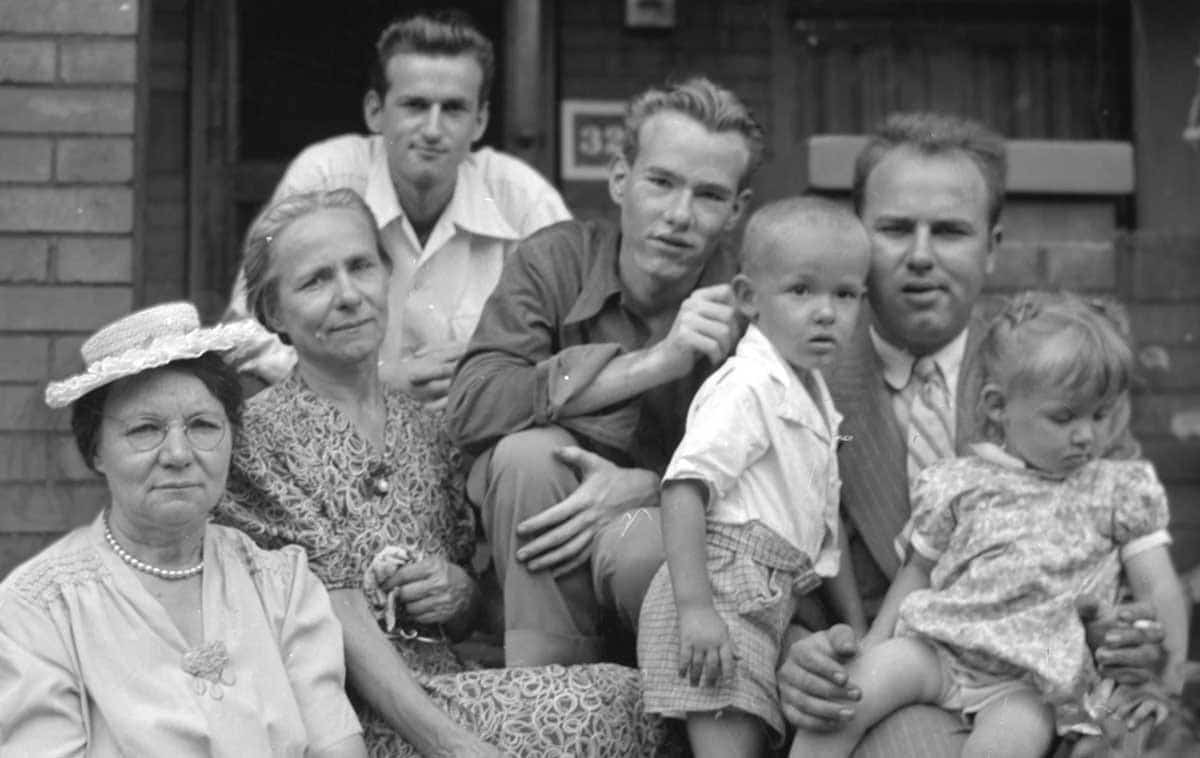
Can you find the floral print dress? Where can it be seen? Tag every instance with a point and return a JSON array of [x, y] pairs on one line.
[[1014, 549], [302, 475]]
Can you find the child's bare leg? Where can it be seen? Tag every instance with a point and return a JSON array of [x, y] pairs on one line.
[[726, 733], [901, 671], [1018, 726]]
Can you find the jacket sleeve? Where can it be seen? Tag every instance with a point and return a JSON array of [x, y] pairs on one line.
[[516, 374]]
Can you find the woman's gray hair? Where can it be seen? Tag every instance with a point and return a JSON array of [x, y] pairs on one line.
[[262, 292]]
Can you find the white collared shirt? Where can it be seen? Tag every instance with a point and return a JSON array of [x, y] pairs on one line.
[[898, 367], [437, 291], [766, 450]]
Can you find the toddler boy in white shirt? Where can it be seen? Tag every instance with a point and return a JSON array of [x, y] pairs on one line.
[[750, 498]]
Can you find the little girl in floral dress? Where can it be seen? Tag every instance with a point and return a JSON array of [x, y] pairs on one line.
[[981, 618]]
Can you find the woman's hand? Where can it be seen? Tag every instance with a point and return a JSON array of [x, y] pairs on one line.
[[434, 591], [705, 650], [814, 689]]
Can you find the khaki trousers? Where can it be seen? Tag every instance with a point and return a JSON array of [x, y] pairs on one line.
[[549, 620]]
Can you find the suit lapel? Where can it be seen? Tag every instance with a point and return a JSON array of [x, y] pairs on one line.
[[872, 460]]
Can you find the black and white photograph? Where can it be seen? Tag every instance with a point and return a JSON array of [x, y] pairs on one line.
[[600, 378]]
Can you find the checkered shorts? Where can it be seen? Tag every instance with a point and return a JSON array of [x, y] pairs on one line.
[[756, 577]]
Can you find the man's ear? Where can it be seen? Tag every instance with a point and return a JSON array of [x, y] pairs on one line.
[[373, 111], [481, 122], [618, 173], [740, 203], [743, 294], [994, 237], [992, 401]]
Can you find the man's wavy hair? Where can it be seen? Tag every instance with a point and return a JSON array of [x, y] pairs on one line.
[[934, 134], [447, 33], [717, 108]]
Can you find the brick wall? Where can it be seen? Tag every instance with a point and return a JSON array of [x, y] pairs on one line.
[[68, 75], [727, 40], [1158, 276]]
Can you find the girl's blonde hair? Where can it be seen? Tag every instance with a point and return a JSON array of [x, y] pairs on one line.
[[1062, 340]]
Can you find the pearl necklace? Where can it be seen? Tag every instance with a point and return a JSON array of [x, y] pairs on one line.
[[146, 568]]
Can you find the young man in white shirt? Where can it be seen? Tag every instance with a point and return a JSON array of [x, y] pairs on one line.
[[448, 216]]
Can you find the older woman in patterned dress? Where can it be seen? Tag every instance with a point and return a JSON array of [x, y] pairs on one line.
[[362, 478]]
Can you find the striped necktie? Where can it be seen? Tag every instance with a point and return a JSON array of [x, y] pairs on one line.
[[930, 424]]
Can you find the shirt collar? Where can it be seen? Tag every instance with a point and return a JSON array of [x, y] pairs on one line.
[[819, 415], [380, 194], [993, 453], [898, 362], [472, 207], [603, 280]]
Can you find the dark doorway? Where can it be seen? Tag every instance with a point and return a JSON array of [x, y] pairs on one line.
[[304, 70]]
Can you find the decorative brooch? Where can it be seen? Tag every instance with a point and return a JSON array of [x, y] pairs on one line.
[[206, 664], [375, 482]]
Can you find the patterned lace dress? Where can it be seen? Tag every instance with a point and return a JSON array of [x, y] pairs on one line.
[[1014, 550], [302, 475]]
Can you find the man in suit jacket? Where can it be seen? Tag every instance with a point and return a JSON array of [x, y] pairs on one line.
[[929, 189]]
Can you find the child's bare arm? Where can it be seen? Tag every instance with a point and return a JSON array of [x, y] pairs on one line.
[[1153, 578], [913, 575], [705, 650], [683, 525], [843, 590]]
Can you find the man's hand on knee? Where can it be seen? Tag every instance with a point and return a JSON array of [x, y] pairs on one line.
[[560, 538], [814, 689]]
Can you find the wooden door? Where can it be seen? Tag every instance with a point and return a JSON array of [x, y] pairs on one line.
[[1055, 69]]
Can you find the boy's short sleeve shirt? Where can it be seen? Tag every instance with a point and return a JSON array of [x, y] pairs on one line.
[[765, 451]]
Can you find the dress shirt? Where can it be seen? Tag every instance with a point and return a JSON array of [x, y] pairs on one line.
[[767, 450], [898, 367], [557, 318], [437, 290]]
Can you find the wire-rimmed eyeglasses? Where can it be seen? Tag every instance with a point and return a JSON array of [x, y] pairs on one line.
[[204, 431]]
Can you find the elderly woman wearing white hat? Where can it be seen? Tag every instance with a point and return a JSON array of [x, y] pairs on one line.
[[151, 631], [363, 478]]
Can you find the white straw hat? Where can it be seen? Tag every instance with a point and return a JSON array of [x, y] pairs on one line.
[[143, 340]]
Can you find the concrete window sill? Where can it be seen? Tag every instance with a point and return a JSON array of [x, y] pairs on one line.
[[1035, 167]]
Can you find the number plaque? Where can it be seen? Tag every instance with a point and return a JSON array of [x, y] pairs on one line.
[[591, 136]]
